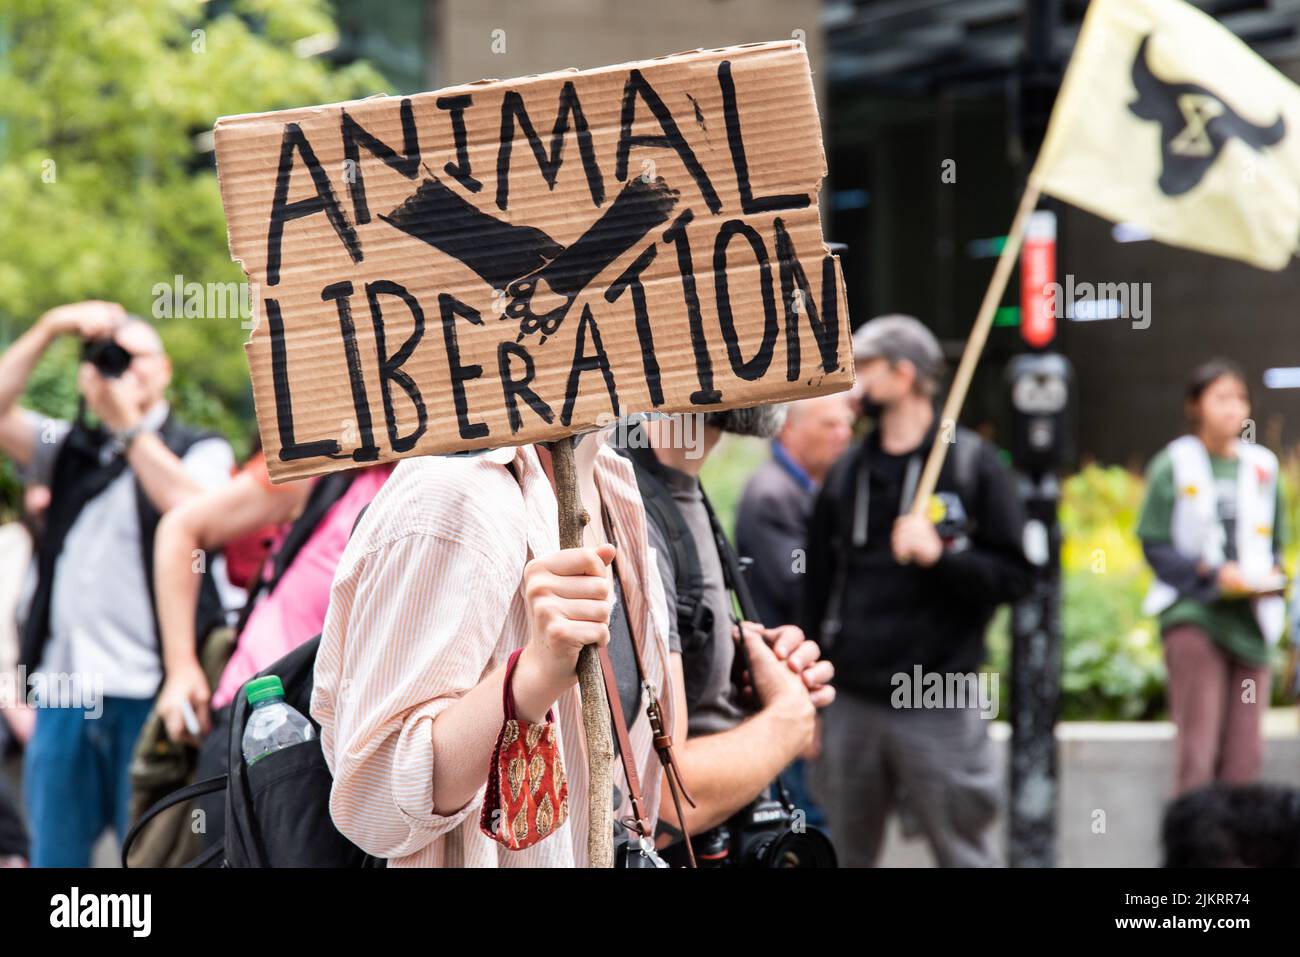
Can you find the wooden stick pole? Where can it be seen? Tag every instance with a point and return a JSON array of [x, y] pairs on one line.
[[979, 335], [595, 705]]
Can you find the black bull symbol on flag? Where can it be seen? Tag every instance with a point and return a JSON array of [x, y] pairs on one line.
[[1195, 124]]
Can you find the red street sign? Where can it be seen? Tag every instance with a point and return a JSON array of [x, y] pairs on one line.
[[1037, 274]]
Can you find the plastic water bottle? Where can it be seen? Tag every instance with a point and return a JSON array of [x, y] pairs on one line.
[[273, 725]]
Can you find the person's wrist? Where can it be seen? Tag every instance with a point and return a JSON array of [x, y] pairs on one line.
[[178, 664], [126, 430], [792, 716], [50, 327], [792, 703], [537, 682]]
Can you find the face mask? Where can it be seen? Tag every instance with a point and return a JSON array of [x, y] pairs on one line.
[[763, 421], [869, 408]]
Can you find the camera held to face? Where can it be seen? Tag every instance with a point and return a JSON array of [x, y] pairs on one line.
[[108, 358]]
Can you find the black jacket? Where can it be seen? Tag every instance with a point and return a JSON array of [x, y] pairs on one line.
[[894, 617]]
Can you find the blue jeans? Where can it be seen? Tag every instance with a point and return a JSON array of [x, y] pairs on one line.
[[76, 779]]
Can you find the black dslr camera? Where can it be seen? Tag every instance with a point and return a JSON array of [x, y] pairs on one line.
[[767, 833], [638, 853], [110, 359]]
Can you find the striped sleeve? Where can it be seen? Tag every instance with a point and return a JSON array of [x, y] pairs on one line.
[[412, 626]]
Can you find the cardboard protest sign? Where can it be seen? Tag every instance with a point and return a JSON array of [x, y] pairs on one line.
[[517, 260]]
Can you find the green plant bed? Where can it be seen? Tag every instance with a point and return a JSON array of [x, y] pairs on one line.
[[1112, 662]]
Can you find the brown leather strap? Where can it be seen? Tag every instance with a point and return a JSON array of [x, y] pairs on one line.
[[663, 742], [640, 824]]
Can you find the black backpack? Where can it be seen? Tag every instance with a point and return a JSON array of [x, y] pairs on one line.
[[694, 617], [277, 810]]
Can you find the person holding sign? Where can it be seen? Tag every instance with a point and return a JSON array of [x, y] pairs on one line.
[[469, 289], [1213, 530], [451, 642]]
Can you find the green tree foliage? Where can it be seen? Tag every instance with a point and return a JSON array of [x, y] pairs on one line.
[[107, 181]]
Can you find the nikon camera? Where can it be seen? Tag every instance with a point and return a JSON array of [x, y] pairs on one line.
[[767, 833]]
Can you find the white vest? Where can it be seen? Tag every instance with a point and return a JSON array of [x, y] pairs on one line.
[[1198, 534]]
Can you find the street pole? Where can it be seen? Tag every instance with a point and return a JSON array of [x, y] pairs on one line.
[[1040, 386], [1040, 383], [1036, 685]]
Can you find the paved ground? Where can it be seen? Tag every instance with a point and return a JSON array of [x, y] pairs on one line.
[[1115, 779]]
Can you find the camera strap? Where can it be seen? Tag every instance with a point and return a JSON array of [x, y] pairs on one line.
[[663, 742], [741, 603]]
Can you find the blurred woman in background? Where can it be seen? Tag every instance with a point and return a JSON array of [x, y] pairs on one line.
[[1212, 528]]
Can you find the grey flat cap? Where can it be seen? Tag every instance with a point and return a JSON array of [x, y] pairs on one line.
[[896, 337]]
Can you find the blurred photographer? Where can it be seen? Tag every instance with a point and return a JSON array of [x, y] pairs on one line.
[[91, 631], [750, 692]]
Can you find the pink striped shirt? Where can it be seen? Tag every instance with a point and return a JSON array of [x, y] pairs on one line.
[[426, 602]]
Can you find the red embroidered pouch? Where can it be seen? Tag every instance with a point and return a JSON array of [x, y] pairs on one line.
[[527, 792]]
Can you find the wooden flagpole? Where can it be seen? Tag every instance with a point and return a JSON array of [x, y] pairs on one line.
[[979, 335], [595, 705]]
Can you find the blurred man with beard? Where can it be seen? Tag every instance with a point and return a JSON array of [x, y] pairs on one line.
[[894, 595], [750, 690]]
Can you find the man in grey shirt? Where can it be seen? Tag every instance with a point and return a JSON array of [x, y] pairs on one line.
[[712, 699], [90, 643], [737, 739]]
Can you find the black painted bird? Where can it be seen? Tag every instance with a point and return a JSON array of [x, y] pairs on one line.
[[542, 277]]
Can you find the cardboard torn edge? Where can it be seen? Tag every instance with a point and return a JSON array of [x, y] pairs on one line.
[[240, 119]]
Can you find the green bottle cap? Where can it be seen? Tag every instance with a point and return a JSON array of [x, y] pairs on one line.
[[259, 689]]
